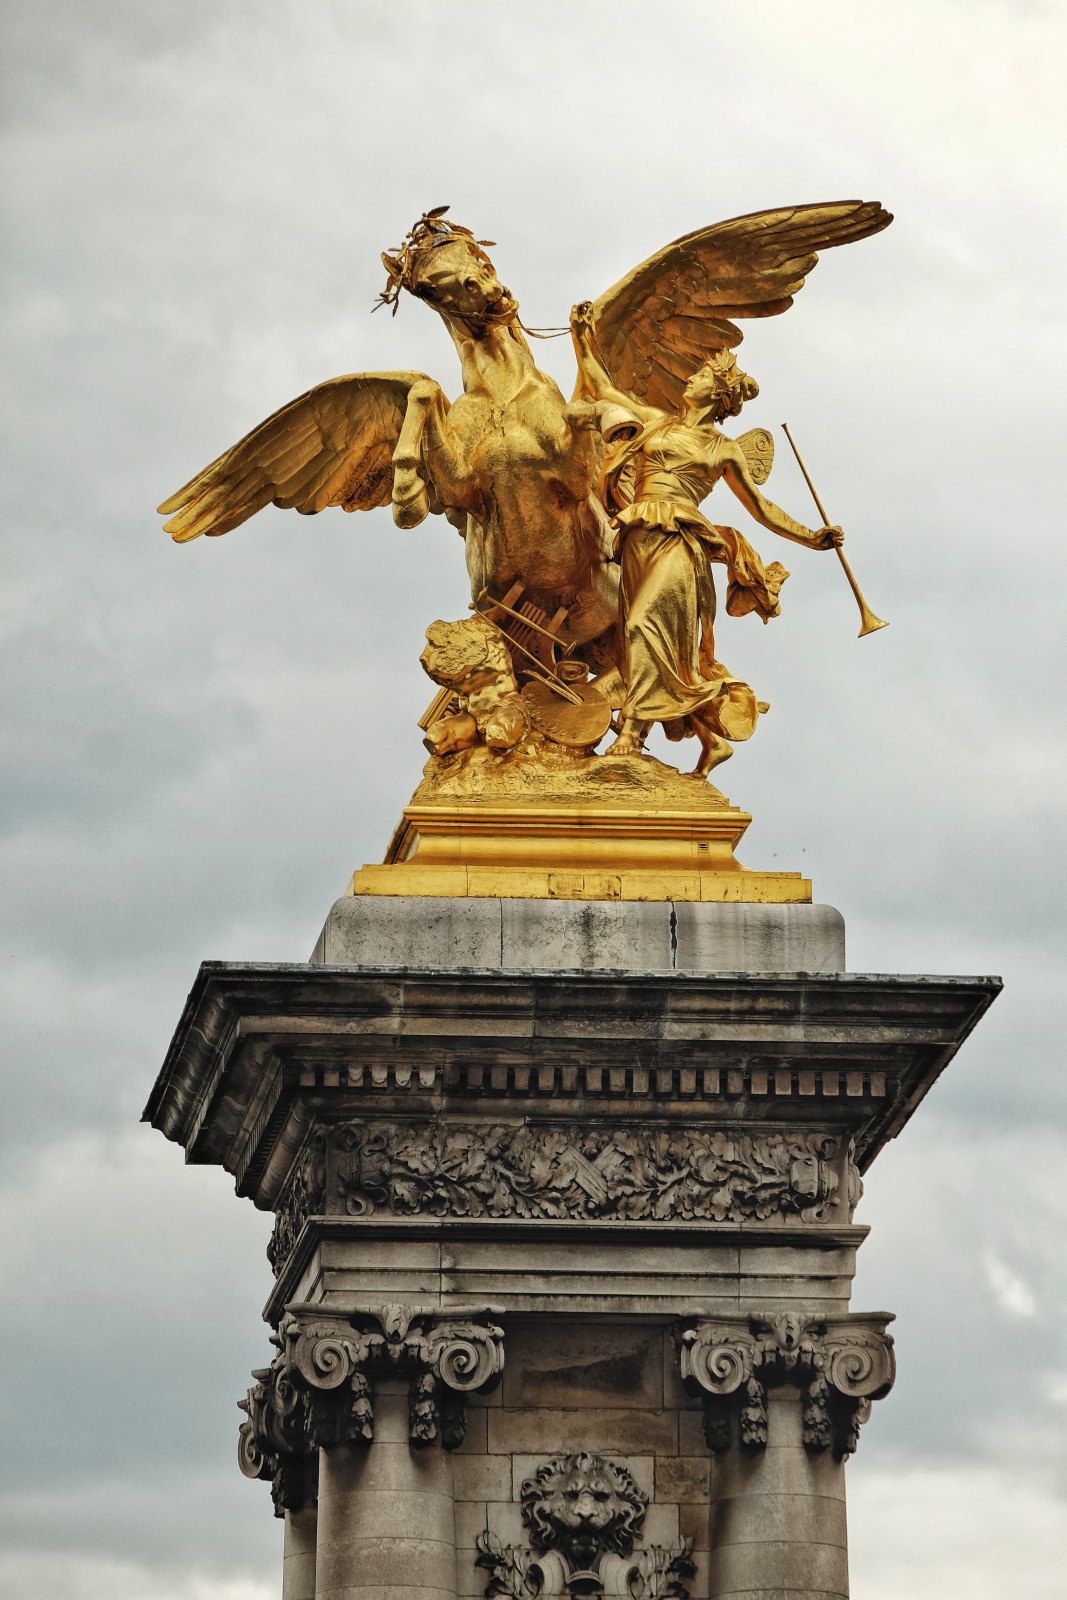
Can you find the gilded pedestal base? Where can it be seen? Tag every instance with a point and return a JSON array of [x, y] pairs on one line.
[[574, 828]]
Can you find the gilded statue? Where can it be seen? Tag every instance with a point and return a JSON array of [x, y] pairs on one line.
[[653, 484], [587, 553]]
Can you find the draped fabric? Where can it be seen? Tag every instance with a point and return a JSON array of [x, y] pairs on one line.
[[667, 594]]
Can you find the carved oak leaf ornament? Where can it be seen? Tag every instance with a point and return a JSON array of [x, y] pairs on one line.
[[567, 1172]]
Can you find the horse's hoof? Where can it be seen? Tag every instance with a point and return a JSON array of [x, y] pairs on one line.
[[411, 508]]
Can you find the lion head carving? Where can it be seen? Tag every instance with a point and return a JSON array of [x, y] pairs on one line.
[[583, 1505]]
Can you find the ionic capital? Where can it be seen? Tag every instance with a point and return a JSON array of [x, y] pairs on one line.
[[839, 1364], [318, 1391], [275, 1440]]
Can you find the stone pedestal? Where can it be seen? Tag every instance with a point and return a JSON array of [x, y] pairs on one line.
[[564, 1240]]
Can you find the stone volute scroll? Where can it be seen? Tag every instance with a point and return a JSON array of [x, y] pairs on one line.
[[584, 1515], [276, 1439], [319, 1390], [838, 1364]]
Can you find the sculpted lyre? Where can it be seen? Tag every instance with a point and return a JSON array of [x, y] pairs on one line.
[[519, 471]]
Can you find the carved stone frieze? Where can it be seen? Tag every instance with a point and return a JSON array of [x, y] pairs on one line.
[[574, 1172], [304, 1196], [318, 1391], [584, 1514], [839, 1364]]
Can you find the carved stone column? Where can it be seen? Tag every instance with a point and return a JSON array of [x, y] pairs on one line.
[[366, 1397], [387, 1520], [784, 1396], [298, 1557]]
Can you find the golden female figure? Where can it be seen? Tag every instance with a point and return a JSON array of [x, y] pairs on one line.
[[653, 485]]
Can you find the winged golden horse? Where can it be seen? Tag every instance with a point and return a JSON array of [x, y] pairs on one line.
[[510, 463]]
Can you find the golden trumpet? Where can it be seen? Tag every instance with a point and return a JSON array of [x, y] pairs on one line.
[[870, 622]]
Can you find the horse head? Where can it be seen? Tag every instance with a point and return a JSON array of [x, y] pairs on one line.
[[443, 264]]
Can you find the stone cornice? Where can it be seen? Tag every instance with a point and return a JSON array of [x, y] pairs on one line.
[[261, 1051]]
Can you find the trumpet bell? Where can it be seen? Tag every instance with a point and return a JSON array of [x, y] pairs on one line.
[[871, 623]]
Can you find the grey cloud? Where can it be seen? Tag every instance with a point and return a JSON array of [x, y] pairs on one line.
[[204, 742]]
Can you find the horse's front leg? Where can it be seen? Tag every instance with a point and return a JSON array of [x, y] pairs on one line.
[[426, 406], [584, 444]]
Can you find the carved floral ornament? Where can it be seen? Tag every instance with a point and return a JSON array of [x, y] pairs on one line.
[[584, 1514], [839, 1364], [566, 1172], [305, 1196], [318, 1390]]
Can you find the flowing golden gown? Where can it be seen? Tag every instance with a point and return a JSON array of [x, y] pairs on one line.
[[667, 594]]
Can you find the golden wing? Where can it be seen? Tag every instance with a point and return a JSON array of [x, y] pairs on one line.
[[672, 313], [758, 448], [332, 446]]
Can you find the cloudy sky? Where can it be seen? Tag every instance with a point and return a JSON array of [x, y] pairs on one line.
[[201, 743]]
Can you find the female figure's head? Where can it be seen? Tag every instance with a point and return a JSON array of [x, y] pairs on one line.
[[719, 387]]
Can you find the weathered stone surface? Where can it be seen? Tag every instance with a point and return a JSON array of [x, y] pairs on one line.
[[386, 1515], [585, 935], [298, 1560], [694, 1524], [471, 1521], [595, 1364], [682, 1479], [622, 1431], [779, 1568], [484, 1477], [590, 1126], [758, 938], [780, 1518]]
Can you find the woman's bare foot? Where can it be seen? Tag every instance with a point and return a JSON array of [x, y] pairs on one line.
[[630, 740], [713, 750]]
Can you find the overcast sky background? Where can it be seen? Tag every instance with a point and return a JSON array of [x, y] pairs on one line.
[[201, 743]]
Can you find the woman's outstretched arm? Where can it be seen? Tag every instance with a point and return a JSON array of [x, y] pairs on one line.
[[740, 480]]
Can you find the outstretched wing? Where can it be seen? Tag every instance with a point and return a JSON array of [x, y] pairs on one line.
[[332, 446], [672, 313], [757, 446]]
